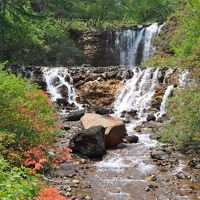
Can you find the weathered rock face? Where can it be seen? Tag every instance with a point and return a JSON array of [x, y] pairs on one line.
[[98, 93], [94, 48], [89, 142], [115, 128]]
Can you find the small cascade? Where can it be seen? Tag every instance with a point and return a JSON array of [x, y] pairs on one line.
[[167, 94], [137, 93], [133, 46], [60, 84]]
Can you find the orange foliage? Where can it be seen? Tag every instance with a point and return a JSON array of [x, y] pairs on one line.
[[50, 193]]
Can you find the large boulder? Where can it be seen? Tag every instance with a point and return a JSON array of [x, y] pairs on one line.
[[115, 128], [89, 142]]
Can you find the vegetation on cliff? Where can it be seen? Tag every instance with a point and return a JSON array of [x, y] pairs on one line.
[[37, 32], [178, 45]]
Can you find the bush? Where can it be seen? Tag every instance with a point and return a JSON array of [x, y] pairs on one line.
[[50, 193], [25, 111], [184, 110], [16, 183]]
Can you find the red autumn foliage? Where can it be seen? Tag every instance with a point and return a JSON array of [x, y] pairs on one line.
[[50, 193], [61, 154], [35, 157]]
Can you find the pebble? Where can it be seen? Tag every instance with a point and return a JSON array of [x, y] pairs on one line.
[[147, 189], [83, 161], [88, 198], [69, 189], [118, 190], [68, 194], [75, 181]]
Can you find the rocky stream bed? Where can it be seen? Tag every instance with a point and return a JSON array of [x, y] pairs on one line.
[[132, 171]]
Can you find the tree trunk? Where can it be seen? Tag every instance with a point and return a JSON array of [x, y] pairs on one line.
[[3, 7]]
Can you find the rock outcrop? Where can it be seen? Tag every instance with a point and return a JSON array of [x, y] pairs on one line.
[[98, 93], [115, 129]]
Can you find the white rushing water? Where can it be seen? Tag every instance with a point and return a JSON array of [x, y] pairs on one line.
[[166, 96], [137, 93], [135, 46], [60, 84]]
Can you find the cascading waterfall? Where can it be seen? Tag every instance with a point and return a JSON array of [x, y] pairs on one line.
[[137, 93], [167, 94], [134, 46], [60, 84]]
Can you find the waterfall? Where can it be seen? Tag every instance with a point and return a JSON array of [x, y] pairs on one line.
[[139, 92], [134, 46], [136, 94], [60, 84], [167, 94]]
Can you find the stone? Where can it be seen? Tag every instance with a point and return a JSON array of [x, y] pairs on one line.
[[62, 101], [89, 142], [63, 91], [131, 139], [102, 111], [68, 78], [159, 155], [194, 163], [56, 82], [115, 128], [151, 117], [88, 198], [75, 115]]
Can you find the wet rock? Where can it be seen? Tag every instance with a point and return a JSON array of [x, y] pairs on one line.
[[63, 90], [66, 127], [194, 163], [159, 155], [131, 139], [119, 76], [102, 111], [128, 74], [88, 198], [111, 75], [115, 128], [89, 142], [75, 115], [62, 101], [68, 78], [181, 175], [151, 117], [56, 82]]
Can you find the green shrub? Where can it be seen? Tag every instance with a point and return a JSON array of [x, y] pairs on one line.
[[184, 110], [16, 183], [179, 43], [26, 115]]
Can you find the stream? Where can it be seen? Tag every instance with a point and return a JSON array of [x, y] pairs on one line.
[[135, 171]]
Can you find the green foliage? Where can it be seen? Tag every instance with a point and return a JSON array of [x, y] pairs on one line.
[[179, 42], [25, 112], [7, 140], [32, 37], [16, 183], [184, 110]]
